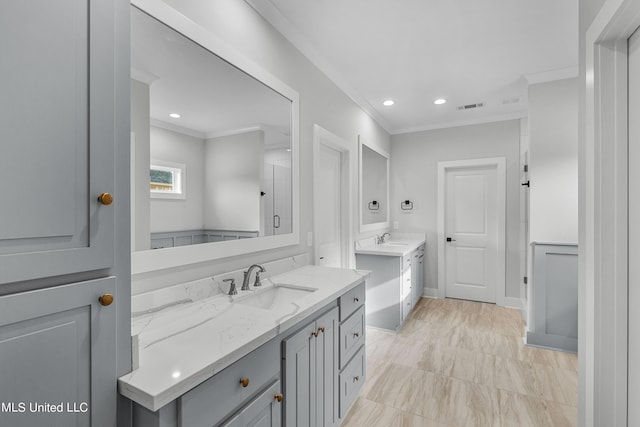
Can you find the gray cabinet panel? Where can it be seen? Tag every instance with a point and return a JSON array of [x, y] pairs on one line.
[[59, 342], [383, 307], [299, 377], [57, 132], [554, 302], [327, 369], [311, 373]]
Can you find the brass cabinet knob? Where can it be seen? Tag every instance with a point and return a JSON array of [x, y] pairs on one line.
[[244, 382], [321, 329], [278, 397], [315, 334], [106, 299], [105, 198], [356, 335], [356, 299]]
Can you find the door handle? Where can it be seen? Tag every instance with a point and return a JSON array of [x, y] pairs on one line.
[[449, 239], [276, 221]]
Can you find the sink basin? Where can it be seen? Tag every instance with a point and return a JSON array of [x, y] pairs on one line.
[[274, 298], [396, 244]]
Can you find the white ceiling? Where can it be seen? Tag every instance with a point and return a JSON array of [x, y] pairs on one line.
[[213, 97], [414, 51]]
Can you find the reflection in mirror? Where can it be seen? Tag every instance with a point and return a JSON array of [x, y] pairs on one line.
[[374, 188], [211, 156]]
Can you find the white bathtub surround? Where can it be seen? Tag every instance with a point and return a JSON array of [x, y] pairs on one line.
[[399, 244], [186, 342]]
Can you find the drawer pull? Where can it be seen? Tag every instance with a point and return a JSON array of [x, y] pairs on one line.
[[356, 379], [356, 335], [244, 382], [321, 329], [356, 299], [315, 334], [105, 198], [106, 299], [278, 397]]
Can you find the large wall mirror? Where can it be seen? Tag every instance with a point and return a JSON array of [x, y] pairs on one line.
[[374, 187], [214, 146]]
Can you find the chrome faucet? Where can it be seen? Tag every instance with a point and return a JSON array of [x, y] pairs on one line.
[[382, 239], [247, 275], [232, 288]]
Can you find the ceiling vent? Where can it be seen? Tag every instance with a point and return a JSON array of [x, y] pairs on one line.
[[471, 106]]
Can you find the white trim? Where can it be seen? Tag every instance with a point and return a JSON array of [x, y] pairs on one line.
[[180, 171], [603, 270], [239, 131], [468, 122], [143, 76], [176, 128], [348, 163], [378, 225], [147, 261], [552, 75], [499, 163]]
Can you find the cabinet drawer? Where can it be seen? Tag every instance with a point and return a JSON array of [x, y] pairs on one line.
[[351, 336], [264, 410], [216, 398], [351, 381], [350, 301]]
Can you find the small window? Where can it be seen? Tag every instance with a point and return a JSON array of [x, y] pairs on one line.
[[167, 180]]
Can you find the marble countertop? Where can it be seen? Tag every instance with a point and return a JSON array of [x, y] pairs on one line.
[[184, 342], [396, 246]]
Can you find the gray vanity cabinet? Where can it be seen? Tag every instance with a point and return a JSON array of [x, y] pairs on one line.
[[57, 347], [389, 289], [57, 133], [417, 272], [311, 373]]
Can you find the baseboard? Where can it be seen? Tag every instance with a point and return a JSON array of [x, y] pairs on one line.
[[512, 302], [430, 292]]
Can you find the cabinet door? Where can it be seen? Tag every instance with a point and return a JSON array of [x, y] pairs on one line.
[[57, 347], [57, 133], [299, 378], [264, 411], [327, 369]]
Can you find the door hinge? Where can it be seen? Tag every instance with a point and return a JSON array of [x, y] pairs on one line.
[[526, 280], [526, 168]]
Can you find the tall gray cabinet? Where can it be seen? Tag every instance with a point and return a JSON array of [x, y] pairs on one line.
[[64, 215]]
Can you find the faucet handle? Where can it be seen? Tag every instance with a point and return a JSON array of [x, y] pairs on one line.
[[257, 282], [232, 288]]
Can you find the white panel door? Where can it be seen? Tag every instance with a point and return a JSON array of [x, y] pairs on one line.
[[634, 230], [471, 222], [330, 210]]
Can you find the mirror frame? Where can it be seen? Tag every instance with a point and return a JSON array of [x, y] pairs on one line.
[[154, 260], [376, 225]]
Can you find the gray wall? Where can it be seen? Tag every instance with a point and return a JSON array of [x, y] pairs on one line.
[[553, 132], [414, 176], [321, 102], [178, 214]]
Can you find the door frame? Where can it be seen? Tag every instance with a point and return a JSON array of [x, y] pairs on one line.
[[321, 136], [604, 316], [501, 187]]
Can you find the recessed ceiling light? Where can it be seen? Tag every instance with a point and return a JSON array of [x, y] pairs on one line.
[[174, 115], [439, 101], [388, 103]]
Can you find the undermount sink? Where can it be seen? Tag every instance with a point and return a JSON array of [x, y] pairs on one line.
[[275, 297]]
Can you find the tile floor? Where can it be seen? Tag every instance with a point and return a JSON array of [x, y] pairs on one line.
[[462, 363]]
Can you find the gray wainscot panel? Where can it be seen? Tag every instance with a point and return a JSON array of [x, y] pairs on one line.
[[554, 301]]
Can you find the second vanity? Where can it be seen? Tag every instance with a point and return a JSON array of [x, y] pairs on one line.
[[288, 353], [397, 277]]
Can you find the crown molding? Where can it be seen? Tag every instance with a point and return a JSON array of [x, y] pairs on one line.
[[552, 75]]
